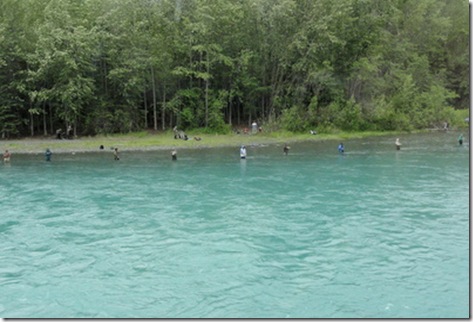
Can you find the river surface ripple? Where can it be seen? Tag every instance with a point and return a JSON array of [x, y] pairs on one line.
[[373, 233]]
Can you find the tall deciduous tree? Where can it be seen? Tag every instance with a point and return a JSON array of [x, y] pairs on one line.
[[121, 65]]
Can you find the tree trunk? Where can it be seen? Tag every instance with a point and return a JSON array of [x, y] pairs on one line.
[[45, 129], [146, 108], [230, 112], [262, 107], [207, 92], [238, 112], [32, 124], [31, 120], [230, 102], [163, 108], [155, 116], [51, 126], [105, 82]]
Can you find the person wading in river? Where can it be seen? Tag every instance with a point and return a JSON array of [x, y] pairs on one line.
[[6, 156]]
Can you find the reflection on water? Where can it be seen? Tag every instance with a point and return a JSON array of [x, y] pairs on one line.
[[374, 233]]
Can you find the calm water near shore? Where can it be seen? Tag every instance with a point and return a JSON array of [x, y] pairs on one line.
[[373, 233]]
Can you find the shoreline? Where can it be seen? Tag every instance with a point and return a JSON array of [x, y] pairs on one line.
[[144, 141], [38, 146]]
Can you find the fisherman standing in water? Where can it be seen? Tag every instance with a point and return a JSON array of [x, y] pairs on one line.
[[48, 154], [341, 148], [286, 149], [460, 139], [6, 156], [115, 154], [174, 155], [398, 144], [243, 152]]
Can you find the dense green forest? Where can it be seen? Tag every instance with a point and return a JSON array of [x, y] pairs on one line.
[[109, 66]]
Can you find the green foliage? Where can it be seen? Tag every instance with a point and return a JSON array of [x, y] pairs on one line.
[[434, 108], [186, 104], [388, 119], [9, 122], [300, 119], [110, 119], [458, 118], [188, 119], [349, 116], [115, 65], [216, 122], [292, 119]]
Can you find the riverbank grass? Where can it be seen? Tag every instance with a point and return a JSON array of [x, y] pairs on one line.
[[165, 140]]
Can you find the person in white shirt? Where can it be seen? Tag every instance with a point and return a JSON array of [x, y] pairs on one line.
[[398, 144], [243, 152]]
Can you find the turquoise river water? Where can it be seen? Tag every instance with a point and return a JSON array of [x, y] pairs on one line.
[[374, 233]]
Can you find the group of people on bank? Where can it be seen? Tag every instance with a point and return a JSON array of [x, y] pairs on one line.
[[69, 134]]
